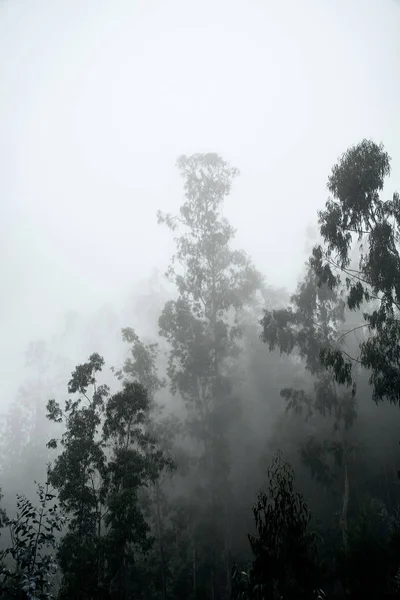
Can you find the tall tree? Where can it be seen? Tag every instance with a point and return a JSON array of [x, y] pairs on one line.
[[285, 562], [79, 474], [308, 327], [140, 366], [357, 220], [214, 282], [136, 462], [107, 457]]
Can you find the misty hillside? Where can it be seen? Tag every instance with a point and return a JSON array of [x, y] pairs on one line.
[[201, 300]]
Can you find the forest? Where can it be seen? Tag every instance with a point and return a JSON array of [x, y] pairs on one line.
[[248, 448]]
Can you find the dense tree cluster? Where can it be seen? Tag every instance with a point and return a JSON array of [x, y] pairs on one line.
[[248, 452]]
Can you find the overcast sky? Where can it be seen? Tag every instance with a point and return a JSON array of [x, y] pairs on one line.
[[98, 99]]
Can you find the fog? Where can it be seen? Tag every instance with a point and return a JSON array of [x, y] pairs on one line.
[[98, 99]]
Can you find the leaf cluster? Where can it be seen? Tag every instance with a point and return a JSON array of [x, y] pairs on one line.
[[357, 218], [29, 565]]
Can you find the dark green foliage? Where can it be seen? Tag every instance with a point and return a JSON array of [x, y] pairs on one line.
[[107, 458], [80, 475], [357, 218], [309, 328], [285, 563], [28, 566], [135, 462]]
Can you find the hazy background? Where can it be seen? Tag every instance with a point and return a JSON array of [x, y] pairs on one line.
[[99, 98]]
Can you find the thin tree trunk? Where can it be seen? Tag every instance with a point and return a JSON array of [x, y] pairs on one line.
[[346, 484], [227, 560], [345, 504], [194, 573], [161, 544], [216, 393], [213, 577]]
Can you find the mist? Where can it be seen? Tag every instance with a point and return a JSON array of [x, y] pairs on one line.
[[99, 99]]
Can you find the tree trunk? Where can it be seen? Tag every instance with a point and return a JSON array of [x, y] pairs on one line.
[[161, 545], [345, 504], [213, 578], [227, 558], [194, 573]]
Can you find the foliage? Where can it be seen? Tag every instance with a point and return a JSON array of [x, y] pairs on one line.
[[27, 568], [285, 564], [80, 474], [357, 218], [107, 457], [141, 367], [309, 327], [158, 506], [214, 282], [215, 279]]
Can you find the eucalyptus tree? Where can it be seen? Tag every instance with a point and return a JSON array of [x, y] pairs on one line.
[[309, 326], [357, 220], [106, 458], [79, 474], [285, 562], [214, 282], [141, 366]]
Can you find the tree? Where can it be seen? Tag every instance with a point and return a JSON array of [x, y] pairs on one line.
[[107, 457], [136, 462], [80, 476], [141, 366], [356, 219], [310, 326], [285, 563], [214, 282], [28, 566]]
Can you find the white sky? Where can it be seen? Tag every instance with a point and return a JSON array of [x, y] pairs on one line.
[[99, 98]]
